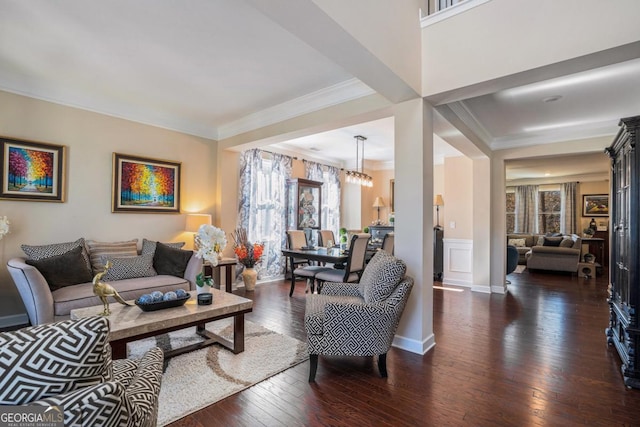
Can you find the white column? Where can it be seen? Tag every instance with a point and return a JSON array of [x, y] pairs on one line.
[[498, 226], [414, 219], [482, 225]]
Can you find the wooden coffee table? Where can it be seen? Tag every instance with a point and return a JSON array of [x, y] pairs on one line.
[[131, 323]]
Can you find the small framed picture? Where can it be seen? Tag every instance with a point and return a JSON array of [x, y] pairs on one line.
[[32, 171], [602, 226], [595, 205], [145, 185]]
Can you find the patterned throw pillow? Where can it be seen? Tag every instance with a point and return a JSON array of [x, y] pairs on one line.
[[518, 243], [63, 270], [47, 251], [381, 276], [149, 246], [130, 268], [98, 251], [53, 359]]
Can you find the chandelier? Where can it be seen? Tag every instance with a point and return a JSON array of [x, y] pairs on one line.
[[358, 176]]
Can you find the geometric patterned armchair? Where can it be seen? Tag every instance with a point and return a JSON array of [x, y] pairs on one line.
[[68, 364], [358, 319]]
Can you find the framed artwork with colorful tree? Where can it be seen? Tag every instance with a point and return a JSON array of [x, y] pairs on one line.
[[145, 185], [32, 171]]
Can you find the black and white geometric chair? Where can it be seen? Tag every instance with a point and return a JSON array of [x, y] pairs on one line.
[[358, 319], [68, 364]]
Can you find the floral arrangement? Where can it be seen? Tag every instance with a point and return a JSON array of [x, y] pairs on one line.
[[210, 241], [4, 226], [248, 253]]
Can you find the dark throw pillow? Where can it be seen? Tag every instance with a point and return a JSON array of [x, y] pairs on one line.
[[170, 261], [63, 270], [552, 241]]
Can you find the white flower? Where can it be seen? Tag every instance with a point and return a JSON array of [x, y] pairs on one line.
[[4, 226], [210, 240]]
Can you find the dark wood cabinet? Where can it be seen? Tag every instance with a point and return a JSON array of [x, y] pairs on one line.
[[377, 234], [624, 290], [438, 247], [304, 202]]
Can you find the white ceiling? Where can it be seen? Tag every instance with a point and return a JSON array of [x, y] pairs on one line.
[[204, 67]]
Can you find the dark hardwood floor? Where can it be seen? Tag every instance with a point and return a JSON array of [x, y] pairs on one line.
[[534, 356]]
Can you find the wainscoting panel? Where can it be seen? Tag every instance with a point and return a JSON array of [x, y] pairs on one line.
[[458, 262]]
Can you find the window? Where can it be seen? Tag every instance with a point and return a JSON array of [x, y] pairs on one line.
[[549, 205]]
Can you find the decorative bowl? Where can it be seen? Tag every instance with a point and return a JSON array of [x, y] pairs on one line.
[[159, 305]]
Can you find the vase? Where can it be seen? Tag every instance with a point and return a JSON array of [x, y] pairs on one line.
[[204, 289], [249, 277]]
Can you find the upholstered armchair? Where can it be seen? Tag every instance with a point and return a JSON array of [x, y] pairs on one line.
[[68, 364], [358, 319]]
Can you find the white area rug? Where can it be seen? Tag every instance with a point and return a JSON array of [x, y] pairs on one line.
[[520, 269], [197, 379]]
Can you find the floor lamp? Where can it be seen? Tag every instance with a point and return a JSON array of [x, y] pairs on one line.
[[437, 202]]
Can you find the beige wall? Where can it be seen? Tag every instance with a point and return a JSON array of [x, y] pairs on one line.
[[458, 198], [595, 187], [91, 139]]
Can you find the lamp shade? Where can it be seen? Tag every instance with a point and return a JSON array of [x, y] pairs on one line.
[[378, 203], [194, 221], [437, 201]]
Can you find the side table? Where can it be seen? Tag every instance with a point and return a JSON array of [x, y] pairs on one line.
[[587, 269], [225, 264]]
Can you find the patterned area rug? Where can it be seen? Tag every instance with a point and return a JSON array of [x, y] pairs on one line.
[[198, 379], [520, 269]]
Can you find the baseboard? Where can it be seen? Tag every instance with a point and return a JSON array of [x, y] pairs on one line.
[[497, 289], [13, 320], [414, 346], [457, 282]]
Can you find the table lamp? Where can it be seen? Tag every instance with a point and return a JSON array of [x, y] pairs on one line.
[[378, 203], [194, 221]]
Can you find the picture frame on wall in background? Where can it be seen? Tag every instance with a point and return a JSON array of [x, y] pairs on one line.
[[392, 190], [145, 185], [32, 171], [595, 205]]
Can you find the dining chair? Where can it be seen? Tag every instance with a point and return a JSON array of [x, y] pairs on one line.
[[353, 268], [388, 243], [296, 239], [324, 236]]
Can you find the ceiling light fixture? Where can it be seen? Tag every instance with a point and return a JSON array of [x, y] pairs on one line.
[[358, 176]]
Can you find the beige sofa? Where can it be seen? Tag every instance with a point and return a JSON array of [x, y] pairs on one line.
[[556, 258], [537, 256], [45, 303]]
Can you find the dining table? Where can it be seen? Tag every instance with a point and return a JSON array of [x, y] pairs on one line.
[[331, 255]]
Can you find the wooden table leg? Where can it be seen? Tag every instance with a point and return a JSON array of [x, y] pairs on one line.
[[238, 333], [293, 277], [118, 349], [228, 279]]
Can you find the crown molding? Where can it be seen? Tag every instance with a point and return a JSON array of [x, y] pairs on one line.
[[460, 109], [314, 101]]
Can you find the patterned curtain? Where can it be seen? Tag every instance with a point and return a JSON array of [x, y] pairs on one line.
[[262, 204], [330, 176], [568, 208], [526, 209]]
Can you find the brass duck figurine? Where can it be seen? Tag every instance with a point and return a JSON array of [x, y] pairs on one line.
[[103, 290]]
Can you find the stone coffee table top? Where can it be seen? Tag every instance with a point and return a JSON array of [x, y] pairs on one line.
[[127, 322]]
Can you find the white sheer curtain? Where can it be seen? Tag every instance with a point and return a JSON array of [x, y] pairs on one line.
[[568, 192], [526, 209], [262, 204], [330, 177]]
